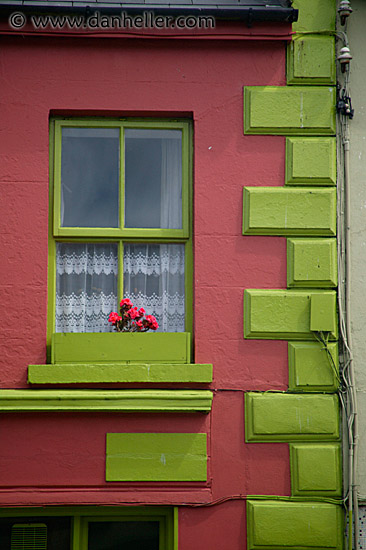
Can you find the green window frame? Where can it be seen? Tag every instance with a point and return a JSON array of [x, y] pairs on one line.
[[82, 517], [121, 235]]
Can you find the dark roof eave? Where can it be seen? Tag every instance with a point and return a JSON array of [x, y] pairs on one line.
[[244, 13]]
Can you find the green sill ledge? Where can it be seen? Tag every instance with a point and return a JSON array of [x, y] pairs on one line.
[[106, 400], [114, 373]]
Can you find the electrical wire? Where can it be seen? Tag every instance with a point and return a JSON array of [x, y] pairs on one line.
[[347, 390]]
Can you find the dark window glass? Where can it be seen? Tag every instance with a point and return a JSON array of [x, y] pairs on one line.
[[89, 177], [153, 178], [123, 535]]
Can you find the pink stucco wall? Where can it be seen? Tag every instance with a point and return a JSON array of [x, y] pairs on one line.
[[60, 458]]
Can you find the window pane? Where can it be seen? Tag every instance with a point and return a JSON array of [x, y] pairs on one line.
[[153, 178], [89, 177], [126, 535], [86, 286], [153, 278], [58, 531]]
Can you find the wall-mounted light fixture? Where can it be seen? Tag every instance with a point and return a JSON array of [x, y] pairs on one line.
[[344, 10], [344, 58]]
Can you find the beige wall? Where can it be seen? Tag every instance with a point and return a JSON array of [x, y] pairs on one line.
[[356, 31]]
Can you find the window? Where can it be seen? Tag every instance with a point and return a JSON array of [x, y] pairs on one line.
[[121, 222], [89, 528]]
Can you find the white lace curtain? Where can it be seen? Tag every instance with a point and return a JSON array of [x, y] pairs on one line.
[[153, 278], [86, 284]]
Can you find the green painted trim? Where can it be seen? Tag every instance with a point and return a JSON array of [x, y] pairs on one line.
[[311, 60], [156, 457], [105, 400], [96, 347], [176, 528], [281, 110], [294, 525], [312, 263], [311, 161], [316, 469], [51, 272], [299, 211], [76, 532], [286, 314], [289, 417], [85, 511], [110, 373], [315, 16], [310, 367]]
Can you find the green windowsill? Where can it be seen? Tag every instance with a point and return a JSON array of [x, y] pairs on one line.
[[127, 347], [105, 400], [114, 373]]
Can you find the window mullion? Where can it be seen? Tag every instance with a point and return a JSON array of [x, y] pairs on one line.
[[122, 179], [120, 272]]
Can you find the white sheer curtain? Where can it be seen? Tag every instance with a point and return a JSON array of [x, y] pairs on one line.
[[153, 278], [86, 286], [171, 184]]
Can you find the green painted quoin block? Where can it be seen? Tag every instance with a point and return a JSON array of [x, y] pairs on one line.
[[311, 161], [310, 60], [156, 457], [316, 469], [312, 263], [310, 367], [285, 314], [315, 16], [282, 211], [280, 110], [286, 417], [299, 525]]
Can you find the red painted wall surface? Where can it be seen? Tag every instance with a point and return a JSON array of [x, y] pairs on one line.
[[59, 458]]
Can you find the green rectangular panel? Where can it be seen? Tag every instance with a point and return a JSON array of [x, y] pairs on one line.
[[281, 110], [289, 211], [310, 367], [282, 314], [93, 347], [297, 525], [288, 417], [105, 400], [315, 16], [311, 60], [111, 373], [312, 263], [156, 457], [316, 469], [311, 161], [322, 309]]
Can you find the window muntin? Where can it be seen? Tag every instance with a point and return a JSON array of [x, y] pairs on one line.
[[164, 227]]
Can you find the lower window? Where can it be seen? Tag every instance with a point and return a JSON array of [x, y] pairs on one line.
[[87, 283], [130, 529]]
